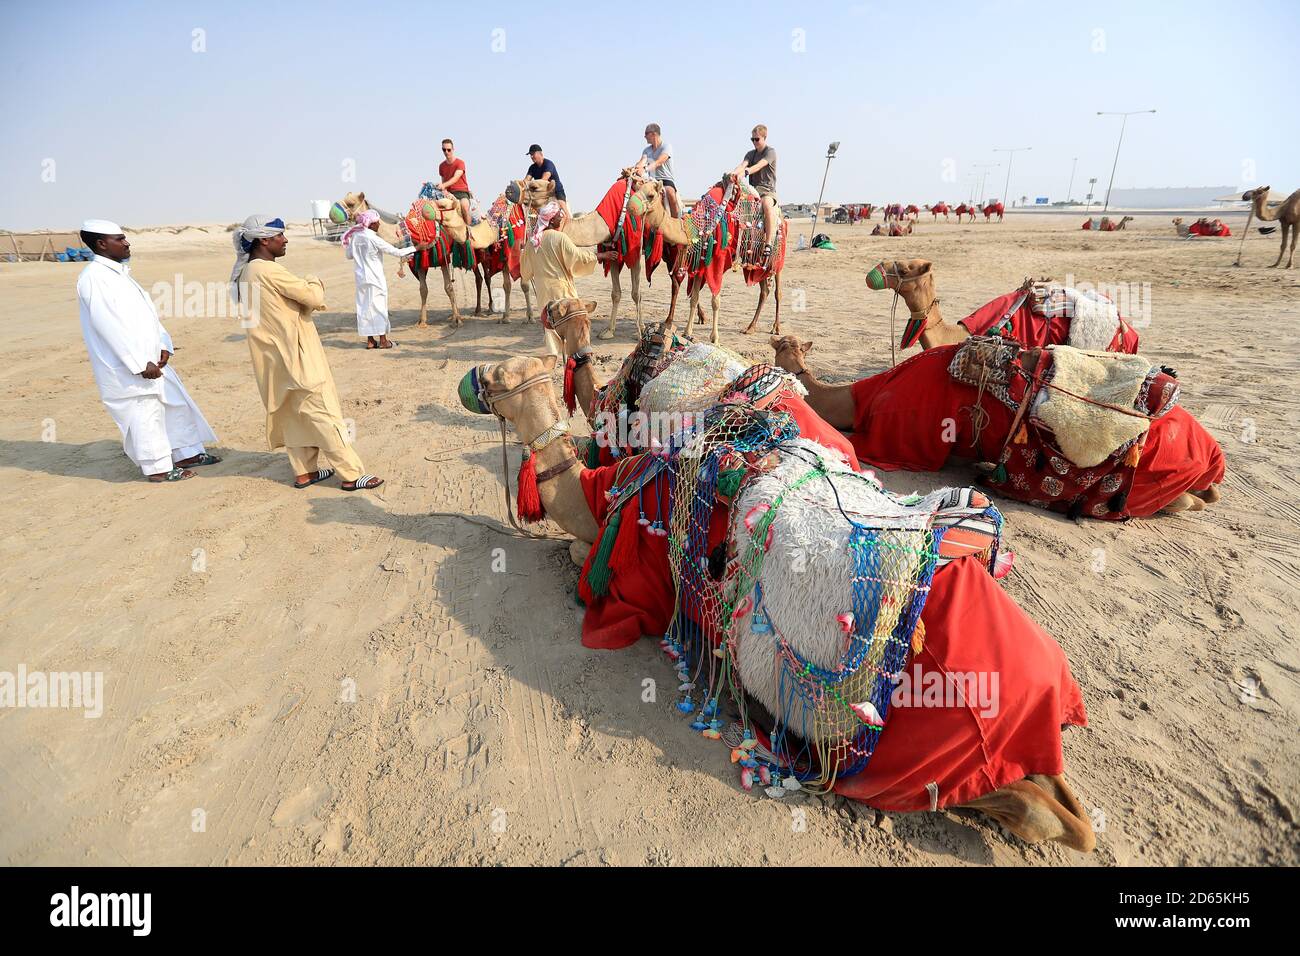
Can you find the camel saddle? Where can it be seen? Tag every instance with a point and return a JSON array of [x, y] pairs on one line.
[[1080, 421]]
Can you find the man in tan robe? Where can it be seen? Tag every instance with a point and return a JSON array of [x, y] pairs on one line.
[[302, 406], [551, 261]]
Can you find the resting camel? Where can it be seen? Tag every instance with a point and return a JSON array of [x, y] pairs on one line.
[[446, 212], [1287, 213], [1107, 224], [993, 209], [905, 418], [1037, 807], [1181, 228], [592, 229], [1019, 315]]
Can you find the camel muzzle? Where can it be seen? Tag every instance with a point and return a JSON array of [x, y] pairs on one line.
[[338, 215], [875, 279], [473, 391]]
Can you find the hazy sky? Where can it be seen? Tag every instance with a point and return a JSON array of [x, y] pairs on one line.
[[112, 102]]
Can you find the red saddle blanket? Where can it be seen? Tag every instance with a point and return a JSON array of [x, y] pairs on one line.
[[916, 415]]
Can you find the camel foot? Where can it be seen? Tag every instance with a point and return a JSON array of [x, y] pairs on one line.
[[715, 338], [1209, 495], [422, 324], [478, 312], [578, 551], [748, 330], [605, 334], [1040, 808], [504, 320], [1184, 502]]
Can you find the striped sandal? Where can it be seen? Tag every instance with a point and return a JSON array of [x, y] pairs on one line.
[[363, 483], [176, 474], [321, 475]]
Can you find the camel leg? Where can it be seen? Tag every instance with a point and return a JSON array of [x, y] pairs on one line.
[[1209, 495], [528, 300], [1295, 231], [478, 292], [717, 302], [578, 551], [776, 298], [762, 297], [424, 297], [693, 305], [1184, 502], [615, 294], [1281, 251], [1040, 808], [672, 302], [636, 295], [450, 289]]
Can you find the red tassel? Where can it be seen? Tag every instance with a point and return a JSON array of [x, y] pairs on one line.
[[570, 394], [626, 555], [528, 502]]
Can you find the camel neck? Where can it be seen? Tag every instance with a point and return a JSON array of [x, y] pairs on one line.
[[562, 496]]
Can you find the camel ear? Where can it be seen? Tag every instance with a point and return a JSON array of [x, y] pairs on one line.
[[590, 306], [774, 341], [807, 347], [549, 361]]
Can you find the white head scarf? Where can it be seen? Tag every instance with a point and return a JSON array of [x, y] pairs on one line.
[[254, 227], [544, 217]]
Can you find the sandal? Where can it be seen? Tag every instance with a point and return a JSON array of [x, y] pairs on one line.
[[390, 344], [203, 459], [176, 474], [321, 475], [371, 343], [363, 483]]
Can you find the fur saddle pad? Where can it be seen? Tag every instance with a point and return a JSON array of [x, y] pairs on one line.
[[1094, 319], [1095, 402], [838, 572]]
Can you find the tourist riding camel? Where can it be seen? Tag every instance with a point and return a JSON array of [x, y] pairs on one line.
[[1082, 433], [1008, 764], [437, 223], [1038, 313], [1286, 212]]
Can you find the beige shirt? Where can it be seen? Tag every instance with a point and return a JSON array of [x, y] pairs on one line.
[[293, 375], [554, 265]]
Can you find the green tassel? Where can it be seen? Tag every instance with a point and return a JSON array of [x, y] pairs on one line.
[[999, 474], [599, 574], [593, 454], [729, 482]]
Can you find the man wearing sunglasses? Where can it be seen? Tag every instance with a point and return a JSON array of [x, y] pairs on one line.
[[759, 165], [453, 179]]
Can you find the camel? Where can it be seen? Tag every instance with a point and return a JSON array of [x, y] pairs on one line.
[[893, 211], [1036, 808], [1109, 225], [913, 281], [592, 230], [1287, 213], [836, 405], [992, 209], [568, 325], [482, 236], [936, 209], [966, 209], [1181, 228]]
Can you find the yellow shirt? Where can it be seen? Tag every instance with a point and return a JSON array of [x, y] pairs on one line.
[[554, 265]]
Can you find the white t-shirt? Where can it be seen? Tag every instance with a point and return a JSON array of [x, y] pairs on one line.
[[650, 154]]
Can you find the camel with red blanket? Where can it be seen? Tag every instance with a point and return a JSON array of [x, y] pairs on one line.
[[439, 222], [1107, 224], [617, 224], [926, 410], [937, 209], [993, 209], [1038, 313], [1008, 763], [966, 210]]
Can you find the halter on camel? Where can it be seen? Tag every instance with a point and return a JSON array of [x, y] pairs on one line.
[[571, 362], [477, 397], [919, 321]]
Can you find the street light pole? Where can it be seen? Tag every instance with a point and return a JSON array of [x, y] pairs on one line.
[[986, 167], [1011, 154], [1069, 193], [1123, 124], [830, 154]]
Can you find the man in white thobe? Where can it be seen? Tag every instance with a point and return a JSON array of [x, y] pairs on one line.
[[163, 431], [366, 248]]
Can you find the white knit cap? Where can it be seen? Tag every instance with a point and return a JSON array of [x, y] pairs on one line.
[[101, 226]]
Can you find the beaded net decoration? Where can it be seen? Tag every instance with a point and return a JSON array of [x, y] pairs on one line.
[[752, 234]]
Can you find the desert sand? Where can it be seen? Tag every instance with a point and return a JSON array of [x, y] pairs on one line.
[[231, 616]]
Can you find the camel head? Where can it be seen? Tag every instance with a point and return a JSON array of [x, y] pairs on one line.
[[790, 352], [510, 388], [913, 280], [1250, 195], [1178, 220], [535, 193], [346, 209], [568, 326]]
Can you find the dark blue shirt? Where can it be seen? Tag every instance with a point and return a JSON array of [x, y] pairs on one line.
[[535, 172]]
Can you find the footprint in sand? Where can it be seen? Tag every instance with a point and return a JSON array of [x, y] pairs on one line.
[[299, 809]]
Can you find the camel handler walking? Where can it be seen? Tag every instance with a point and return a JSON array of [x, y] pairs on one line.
[[363, 244], [759, 165], [302, 406], [551, 260], [657, 162], [454, 180]]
